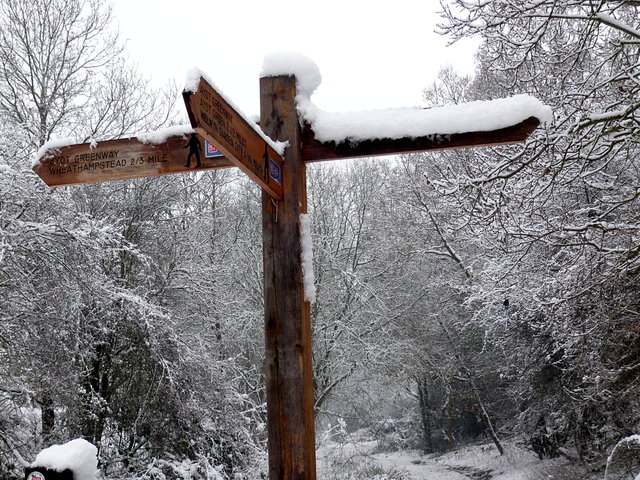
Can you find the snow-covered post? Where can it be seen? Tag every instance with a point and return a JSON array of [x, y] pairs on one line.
[[288, 368], [75, 460]]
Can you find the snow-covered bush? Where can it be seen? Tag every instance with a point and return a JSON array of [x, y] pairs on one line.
[[397, 434], [624, 461], [174, 469], [354, 467]]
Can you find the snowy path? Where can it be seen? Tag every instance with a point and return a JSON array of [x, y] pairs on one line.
[[479, 462], [415, 468], [409, 464]]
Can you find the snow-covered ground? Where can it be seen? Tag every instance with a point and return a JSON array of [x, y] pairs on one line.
[[360, 459]]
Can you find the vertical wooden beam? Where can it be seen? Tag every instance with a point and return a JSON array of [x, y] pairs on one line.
[[288, 367]]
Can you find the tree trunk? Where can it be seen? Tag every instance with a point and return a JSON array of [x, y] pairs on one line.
[[48, 415], [485, 415], [476, 392], [425, 414], [97, 388]]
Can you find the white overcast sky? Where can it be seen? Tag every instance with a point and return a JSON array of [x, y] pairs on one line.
[[371, 54]]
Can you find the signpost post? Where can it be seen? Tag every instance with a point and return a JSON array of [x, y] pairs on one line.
[[288, 366]]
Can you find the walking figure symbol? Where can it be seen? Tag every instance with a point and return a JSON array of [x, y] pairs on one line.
[[194, 149]]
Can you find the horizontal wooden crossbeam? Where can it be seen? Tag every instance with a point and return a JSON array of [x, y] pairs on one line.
[[315, 151], [128, 158]]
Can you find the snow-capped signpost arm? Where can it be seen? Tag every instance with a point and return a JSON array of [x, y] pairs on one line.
[[315, 150], [162, 153], [333, 136], [212, 116]]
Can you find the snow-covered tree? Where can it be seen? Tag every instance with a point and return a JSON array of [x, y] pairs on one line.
[[558, 216], [91, 343], [62, 73]]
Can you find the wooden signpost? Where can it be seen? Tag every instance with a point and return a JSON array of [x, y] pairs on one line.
[[213, 118], [120, 160], [288, 366]]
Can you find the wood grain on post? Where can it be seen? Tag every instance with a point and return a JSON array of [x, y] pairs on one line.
[[288, 366]]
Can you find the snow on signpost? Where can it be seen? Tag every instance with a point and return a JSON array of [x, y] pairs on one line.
[[288, 119], [307, 258], [62, 163]]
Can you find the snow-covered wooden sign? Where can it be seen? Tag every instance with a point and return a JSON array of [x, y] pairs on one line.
[[239, 139], [474, 124], [338, 135], [289, 119], [161, 153]]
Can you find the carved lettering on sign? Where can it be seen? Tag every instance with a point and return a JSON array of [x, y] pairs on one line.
[[121, 159], [213, 118]]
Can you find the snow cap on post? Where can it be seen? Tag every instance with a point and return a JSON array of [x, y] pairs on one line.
[[78, 456], [305, 70]]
